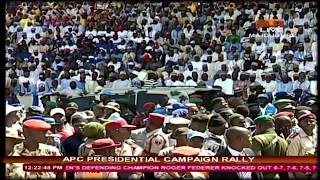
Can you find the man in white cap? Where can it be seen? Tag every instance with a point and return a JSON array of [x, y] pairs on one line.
[[123, 82], [174, 124], [12, 115]]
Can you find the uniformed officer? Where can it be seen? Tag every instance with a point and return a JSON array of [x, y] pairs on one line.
[[175, 124], [34, 132], [180, 135], [214, 140], [284, 105], [304, 142], [283, 125], [266, 142], [101, 147], [156, 140], [119, 131]]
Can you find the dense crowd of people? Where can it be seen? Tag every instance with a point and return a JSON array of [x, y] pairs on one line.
[[267, 78]]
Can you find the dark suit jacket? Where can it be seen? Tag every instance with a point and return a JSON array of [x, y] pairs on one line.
[[233, 175]]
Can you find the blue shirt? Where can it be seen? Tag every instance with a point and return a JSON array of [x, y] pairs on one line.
[[65, 83], [285, 87], [81, 85], [269, 109]]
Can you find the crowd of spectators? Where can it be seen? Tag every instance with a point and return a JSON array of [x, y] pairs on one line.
[[267, 76]]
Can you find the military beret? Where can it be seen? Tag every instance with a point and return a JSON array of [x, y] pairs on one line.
[[119, 123], [185, 151], [156, 118], [289, 114], [286, 106], [263, 119], [104, 143], [195, 100], [283, 101], [149, 105], [36, 125], [93, 130], [307, 116]]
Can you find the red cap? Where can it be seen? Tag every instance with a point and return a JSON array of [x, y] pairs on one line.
[[104, 143], [284, 113], [119, 123], [185, 151], [36, 125], [196, 96], [149, 105], [156, 117], [307, 116]]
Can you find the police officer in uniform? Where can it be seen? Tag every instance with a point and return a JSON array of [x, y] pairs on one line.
[[304, 142], [266, 142], [156, 140], [119, 130], [34, 132]]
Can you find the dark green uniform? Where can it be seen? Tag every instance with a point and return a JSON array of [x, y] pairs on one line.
[[268, 143]]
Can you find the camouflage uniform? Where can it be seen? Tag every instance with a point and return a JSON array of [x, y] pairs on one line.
[[15, 170]]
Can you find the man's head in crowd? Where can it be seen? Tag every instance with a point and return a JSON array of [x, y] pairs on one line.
[[199, 122], [70, 109], [219, 103], [307, 123], [154, 121], [78, 121], [195, 138], [238, 138], [217, 125], [119, 130], [181, 136], [237, 120], [263, 123]]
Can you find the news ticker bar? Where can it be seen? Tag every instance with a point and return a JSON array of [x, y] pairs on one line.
[[172, 167], [161, 159]]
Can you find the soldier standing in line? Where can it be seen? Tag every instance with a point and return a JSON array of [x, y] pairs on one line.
[[266, 142], [34, 132], [304, 142]]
